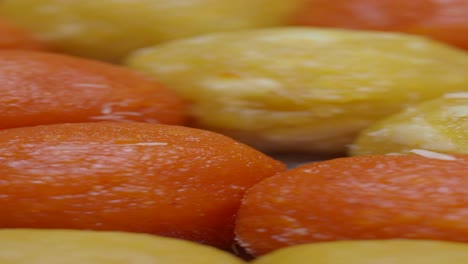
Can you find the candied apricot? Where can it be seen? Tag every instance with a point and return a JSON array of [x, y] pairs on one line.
[[44, 88], [160, 179], [358, 198]]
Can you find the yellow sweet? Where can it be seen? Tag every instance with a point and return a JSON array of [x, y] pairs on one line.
[[302, 89], [439, 125], [108, 29], [30, 246], [370, 252]]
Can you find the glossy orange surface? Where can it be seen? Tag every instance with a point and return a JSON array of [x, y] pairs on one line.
[[363, 197], [45, 88], [166, 180]]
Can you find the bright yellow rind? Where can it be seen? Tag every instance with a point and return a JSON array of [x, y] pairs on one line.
[[30, 246]]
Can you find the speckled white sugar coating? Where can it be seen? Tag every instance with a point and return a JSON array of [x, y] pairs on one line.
[[302, 89], [432, 154]]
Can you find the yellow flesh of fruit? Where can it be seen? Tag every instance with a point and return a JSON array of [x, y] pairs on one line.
[[302, 89], [439, 125]]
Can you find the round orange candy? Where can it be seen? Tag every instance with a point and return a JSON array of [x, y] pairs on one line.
[[442, 20], [13, 37], [149, 178], [45, 88], [359, 198]]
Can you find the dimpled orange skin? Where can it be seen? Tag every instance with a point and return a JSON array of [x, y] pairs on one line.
[[365, 197], [13, 37], [44, 88], [167, 180], [442, 20]]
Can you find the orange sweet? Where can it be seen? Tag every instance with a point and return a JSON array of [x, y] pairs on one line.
[[166, 180], [45, 88], [13, 37], [358, 198], [442, 20]]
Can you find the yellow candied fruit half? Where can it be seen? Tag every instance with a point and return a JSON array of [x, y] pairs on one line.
[[39, 246], [396, 251], [302, 89], [439, 125], [109, 29]]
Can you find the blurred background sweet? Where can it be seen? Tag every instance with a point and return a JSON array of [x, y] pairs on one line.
[[441, 20], [109, 29]]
